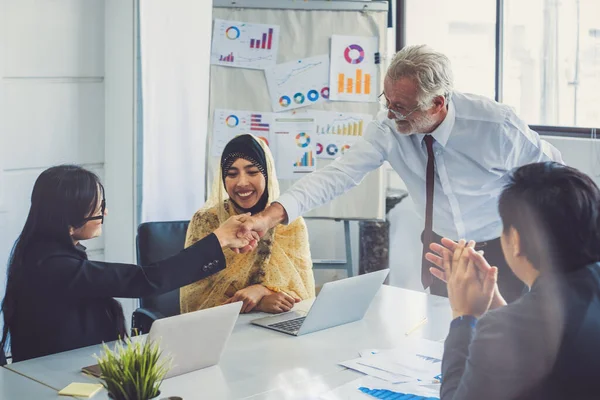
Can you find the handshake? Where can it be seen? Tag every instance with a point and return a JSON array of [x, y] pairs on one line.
[[241, 233]]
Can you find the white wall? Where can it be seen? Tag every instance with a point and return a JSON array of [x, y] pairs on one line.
[[67, 96], [51, 101]]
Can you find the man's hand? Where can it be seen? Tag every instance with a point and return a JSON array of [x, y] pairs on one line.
[[468, 294], [483, 267], [251, 296], [260, 223], [277, 303], [228, 234]]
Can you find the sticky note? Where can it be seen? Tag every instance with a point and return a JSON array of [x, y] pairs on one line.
[[81, 389]]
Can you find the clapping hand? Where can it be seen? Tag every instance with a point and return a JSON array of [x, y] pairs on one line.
[[468, 276]]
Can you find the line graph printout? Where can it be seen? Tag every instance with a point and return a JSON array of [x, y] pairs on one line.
[[298, 83], [353, 73], [244, 45], [228, 124], [337, 132]]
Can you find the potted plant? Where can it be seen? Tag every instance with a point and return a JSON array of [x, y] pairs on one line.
[[134, 370]]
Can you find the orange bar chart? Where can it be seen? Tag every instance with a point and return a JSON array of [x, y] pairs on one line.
[[361, 84], [344, 129]]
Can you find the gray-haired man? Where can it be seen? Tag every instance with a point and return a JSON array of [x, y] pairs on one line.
[[452, 150]]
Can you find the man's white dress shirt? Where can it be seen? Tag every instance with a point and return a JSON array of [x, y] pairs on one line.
[[475, 147]]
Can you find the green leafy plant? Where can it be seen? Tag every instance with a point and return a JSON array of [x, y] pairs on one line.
[[133, 370]]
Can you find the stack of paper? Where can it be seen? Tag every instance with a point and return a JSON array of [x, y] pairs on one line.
[[415, 361]]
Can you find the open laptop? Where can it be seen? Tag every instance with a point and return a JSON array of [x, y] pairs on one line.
[[338, 303], [195, 340]]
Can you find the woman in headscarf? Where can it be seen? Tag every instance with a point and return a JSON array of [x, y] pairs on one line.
[[278, 272]]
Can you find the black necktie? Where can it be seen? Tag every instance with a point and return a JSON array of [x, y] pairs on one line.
[[426, 277]]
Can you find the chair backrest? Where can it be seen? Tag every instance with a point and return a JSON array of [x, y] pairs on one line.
[[155, 242]]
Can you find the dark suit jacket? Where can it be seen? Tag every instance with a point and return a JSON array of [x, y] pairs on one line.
[[544, 346], [64, 301]]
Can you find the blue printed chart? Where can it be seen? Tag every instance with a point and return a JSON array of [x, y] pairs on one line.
[[244, 45], [294, 143], [299, 83], [368, 387], [338, 132], [228, 124]]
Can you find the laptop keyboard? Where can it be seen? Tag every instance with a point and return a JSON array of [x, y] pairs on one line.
[[292, 325]]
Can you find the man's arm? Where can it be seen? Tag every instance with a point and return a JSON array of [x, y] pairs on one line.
[[524, 146], [337, 178], [324, 185]]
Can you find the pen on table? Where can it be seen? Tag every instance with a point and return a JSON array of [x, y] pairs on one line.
[[417, 326]]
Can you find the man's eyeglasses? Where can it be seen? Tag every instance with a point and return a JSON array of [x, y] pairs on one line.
[[101, 216], [397, 114]]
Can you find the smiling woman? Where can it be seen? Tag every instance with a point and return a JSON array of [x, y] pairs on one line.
[[279, 272]]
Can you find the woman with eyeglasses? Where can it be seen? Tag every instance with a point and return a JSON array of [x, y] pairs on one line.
[[56, 299]]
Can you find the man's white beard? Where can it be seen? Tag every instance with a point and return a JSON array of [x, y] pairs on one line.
[[421, 125]]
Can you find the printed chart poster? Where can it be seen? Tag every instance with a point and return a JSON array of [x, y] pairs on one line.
[[353, 74], [298, 83], [294, 140], [337, 132], [244, 45], [228, 124]]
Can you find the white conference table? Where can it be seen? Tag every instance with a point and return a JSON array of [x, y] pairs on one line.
[[14, 386], [263, 364]]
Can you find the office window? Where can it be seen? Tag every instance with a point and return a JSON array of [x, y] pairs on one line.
[[464, 30], [552, 61]]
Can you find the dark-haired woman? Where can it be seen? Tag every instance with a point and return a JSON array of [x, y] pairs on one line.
[[56, 299]]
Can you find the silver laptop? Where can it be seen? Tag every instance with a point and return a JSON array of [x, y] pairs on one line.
[[338, 303], [195, 340]]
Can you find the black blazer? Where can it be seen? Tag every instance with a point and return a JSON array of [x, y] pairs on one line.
[[64, 301]]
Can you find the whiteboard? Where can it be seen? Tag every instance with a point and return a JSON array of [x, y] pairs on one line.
[[303, 33]]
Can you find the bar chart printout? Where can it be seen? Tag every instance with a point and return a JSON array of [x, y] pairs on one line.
[[227, 58], [266, 41], [361, 84], [353, 72], [244, 45], [228, 124], [338, 132], [295, 147]]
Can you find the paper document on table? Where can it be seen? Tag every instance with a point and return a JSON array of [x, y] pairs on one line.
[[351, 390], [375, 372], [402, 363], [413, 360]]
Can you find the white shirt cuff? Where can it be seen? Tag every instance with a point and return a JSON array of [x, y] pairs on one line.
[[290, 204]]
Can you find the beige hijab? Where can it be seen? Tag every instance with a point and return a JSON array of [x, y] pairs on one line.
[[280, 262]]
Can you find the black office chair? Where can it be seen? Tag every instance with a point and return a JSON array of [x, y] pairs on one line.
[[2, 358], [157, 241]]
